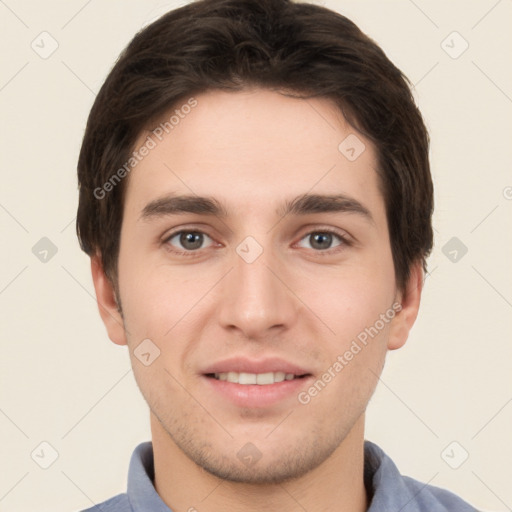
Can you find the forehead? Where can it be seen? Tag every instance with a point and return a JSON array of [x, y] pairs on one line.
[[253, 147]]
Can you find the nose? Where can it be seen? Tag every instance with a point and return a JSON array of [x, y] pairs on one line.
[[258, 298]]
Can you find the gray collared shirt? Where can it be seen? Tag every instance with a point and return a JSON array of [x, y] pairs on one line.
[[389, 490]]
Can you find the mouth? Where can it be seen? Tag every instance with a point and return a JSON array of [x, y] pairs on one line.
[[255, 390], [259, 379], [255, 383]]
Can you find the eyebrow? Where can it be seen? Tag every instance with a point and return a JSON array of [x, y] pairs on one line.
[[302, 205]]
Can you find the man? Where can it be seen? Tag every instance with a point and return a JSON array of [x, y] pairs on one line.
[[256, 199]]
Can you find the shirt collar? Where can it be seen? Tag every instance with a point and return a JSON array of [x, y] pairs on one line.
[[385, 485], [141, 491]]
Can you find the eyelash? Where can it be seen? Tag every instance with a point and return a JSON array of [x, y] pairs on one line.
[[345, 242]]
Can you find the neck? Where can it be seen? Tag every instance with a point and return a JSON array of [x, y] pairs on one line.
[[335, 485]]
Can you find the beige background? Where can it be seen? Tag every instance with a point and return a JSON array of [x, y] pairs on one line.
[[62, 381]]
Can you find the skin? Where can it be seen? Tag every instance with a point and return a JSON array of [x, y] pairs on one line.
[[251, 150]]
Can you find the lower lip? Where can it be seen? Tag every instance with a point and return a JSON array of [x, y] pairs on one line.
[[255, 395]]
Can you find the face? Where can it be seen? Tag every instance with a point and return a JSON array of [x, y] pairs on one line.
[[257, 282]]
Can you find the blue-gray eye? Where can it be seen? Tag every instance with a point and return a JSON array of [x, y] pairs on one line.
[[321, 240], [189, 240]]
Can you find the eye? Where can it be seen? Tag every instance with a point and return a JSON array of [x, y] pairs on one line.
[[322, 240], [189, 240]]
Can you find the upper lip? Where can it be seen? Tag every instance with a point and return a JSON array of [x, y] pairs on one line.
[[243, 364]]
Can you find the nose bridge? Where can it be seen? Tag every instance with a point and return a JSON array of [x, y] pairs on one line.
[[255, 300]]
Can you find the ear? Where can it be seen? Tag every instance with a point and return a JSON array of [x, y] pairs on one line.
[[107, 304], [410, 300]]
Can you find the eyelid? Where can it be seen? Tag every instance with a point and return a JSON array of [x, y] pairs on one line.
[[325, 228]]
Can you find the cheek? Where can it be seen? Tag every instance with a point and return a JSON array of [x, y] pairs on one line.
[[349, 299], [160, 301], [353, 356]]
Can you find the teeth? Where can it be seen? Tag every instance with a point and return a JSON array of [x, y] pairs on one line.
[[254, 378], [247, 378]]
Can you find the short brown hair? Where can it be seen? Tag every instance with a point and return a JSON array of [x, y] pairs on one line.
[[273, 44]]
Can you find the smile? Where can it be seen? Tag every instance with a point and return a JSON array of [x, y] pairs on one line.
[[261, 379]]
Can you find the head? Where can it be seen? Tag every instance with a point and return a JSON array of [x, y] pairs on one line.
[[284, 123]]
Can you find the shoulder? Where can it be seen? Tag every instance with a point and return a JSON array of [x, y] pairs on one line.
[[430, 498], [390, 490], [119, 503]]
